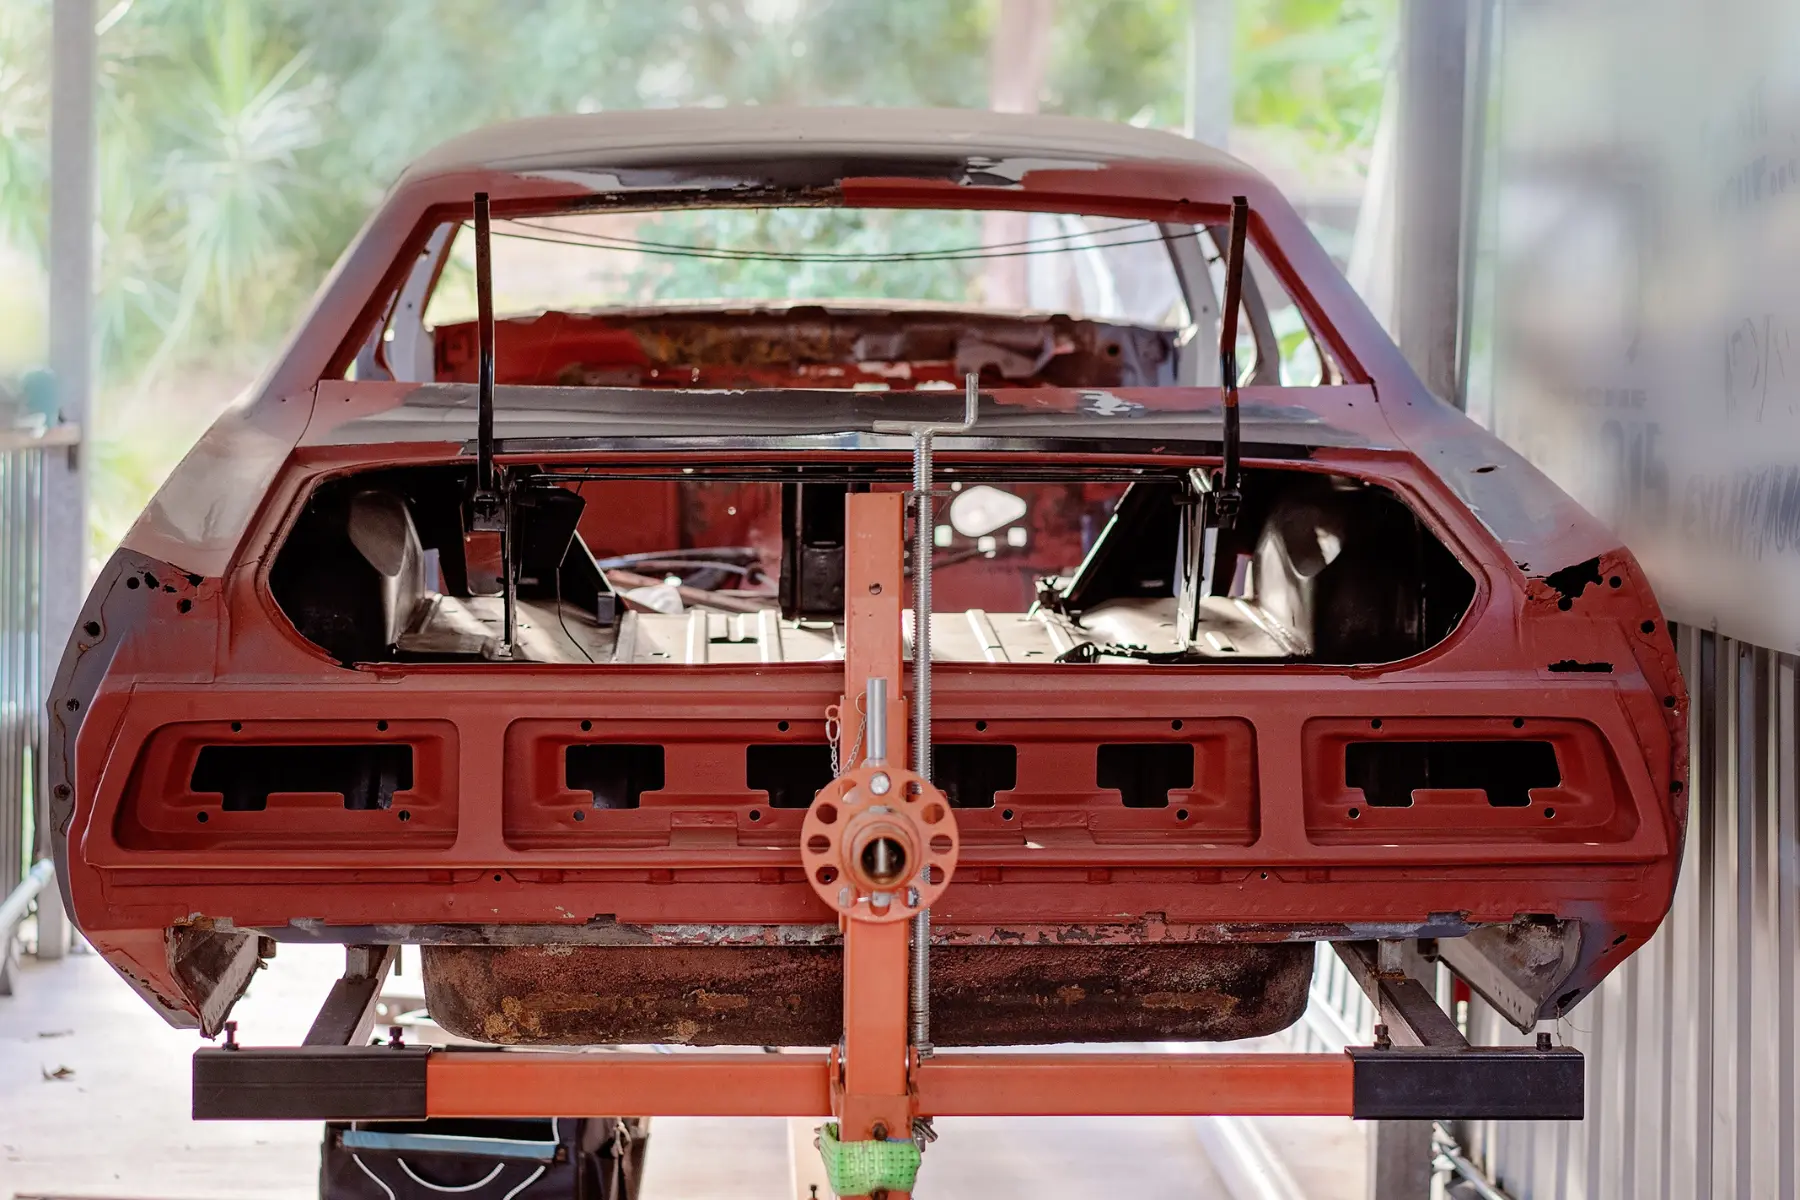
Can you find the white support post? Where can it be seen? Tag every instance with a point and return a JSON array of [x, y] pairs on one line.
[[74, 52]]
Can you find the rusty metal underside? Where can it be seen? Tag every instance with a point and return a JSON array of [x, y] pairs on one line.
[[792, 995]]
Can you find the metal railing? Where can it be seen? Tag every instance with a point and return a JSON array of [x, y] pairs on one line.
[[22, 667], [21, 647]]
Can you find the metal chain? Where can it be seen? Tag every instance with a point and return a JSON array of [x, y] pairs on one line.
[[834, 728]]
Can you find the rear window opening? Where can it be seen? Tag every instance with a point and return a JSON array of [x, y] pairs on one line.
[[1390, 773], [745, 565], [834, 295]]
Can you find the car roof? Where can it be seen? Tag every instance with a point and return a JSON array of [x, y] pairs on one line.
[[580, 141]]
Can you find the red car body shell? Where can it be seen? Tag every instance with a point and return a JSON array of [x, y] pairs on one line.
[[181, 645]]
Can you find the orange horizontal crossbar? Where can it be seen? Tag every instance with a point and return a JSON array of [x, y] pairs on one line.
[[1102, 1085], [498, 1083], [514, 1084]]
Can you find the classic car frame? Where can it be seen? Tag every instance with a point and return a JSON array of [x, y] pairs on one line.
[[184, 648]]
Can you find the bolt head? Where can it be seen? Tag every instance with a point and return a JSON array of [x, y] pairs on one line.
[[880, 784]]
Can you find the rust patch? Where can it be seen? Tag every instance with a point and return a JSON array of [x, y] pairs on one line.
[[790, 995]]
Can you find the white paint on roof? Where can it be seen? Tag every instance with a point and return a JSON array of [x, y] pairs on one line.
[[648, 137]]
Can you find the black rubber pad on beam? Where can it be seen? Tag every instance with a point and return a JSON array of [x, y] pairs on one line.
[[1421, 1083], [310, 1083]]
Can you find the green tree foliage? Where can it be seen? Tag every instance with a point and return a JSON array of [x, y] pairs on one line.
[[1314, 65]]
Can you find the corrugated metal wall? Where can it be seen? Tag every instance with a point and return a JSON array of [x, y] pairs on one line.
[[1692, 1057]]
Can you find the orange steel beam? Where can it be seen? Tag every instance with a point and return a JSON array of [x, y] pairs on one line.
[[503, 1083], [1129, 1085], [873, 1101], [514, 1084]]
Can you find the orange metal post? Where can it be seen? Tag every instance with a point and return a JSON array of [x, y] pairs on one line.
[[873, 1100]]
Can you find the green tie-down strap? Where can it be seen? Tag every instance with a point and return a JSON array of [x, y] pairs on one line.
[[859, 1168]]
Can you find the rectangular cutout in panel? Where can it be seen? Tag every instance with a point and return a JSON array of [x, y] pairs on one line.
[[366, 776], [791, 774], [970, 775], [617, 775], [1388, 773], [1146, 772]]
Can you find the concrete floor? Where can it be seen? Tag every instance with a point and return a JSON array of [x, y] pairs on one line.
[[94, 1102]]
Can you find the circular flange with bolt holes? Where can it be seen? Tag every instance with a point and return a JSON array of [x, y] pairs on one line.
[[879, 843]]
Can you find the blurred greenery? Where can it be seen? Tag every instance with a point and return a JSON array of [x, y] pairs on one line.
[[243, 141]]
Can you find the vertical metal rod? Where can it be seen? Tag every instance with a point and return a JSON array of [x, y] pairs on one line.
[[1229, 497], [484, 336], [875, 723], [924, 538]]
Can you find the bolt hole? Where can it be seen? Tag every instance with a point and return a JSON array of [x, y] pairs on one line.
[[933, 814], [818, 843], [132, 582], [496, 877], [826, 875], [1355, 813], [1565, 604], [1518, 722], [1006, 814], [1668, 702], [1675, 786], [756, 814], [200, 817], [184, 605], [941, 844], [1549, 813], [1265, 874], [1619, 941], [1375, 724], [72, 704], [381, 726], [1616, 582], [828, 814], [874, 589], [92, 628], [580, 816], [1648, 627], [237, 727], [586, 726], [934, 874], [1181, 814], [405, 815], [782, 726], [981, 727], [1175, 725]]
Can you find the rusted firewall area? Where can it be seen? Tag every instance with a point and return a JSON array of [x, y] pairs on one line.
[[810, 344], [791, 995]]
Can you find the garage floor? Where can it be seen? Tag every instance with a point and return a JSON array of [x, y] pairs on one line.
[[94, 1102]]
